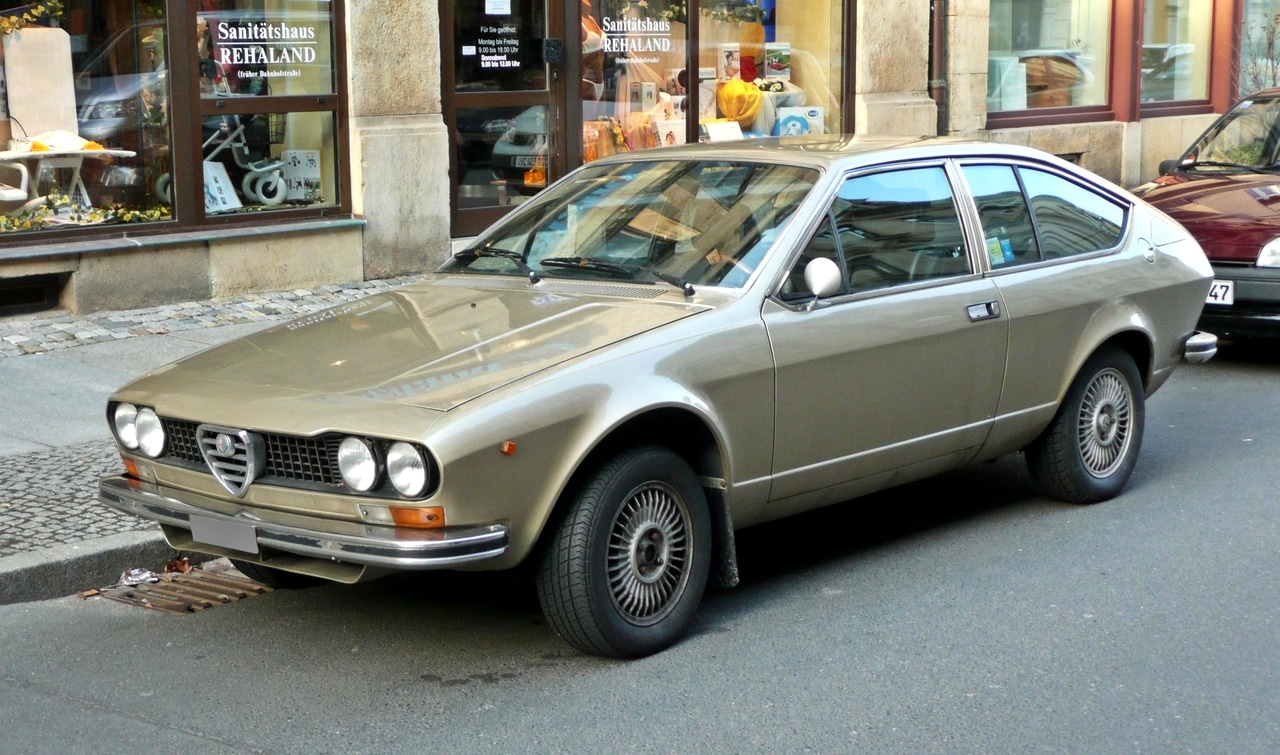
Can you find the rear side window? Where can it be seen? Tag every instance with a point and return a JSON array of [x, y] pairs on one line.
[[1070, 219], [1007, 231]]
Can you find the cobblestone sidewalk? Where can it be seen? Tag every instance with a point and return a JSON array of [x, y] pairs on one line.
[[51, 498], [33, 334]]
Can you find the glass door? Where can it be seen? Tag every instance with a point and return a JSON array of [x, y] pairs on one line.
[[504, 65]]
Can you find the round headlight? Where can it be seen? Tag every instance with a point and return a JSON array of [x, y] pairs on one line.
[[150, 433], [358, 465], [126, 424], [1270, 254], [407, 469]]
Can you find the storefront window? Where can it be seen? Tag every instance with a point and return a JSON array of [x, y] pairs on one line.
[[769, 68], [84, 123], [267, 160], [1048, 53], [255, 160], [1175, 50], [93, 139], [1259, 45], [634, 75]]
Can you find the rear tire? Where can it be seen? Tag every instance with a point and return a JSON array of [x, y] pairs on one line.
[[275, 578], [625, 572], [1090, 448]]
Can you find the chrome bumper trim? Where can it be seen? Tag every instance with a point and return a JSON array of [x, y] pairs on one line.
[[351, 542], [1200, 347]]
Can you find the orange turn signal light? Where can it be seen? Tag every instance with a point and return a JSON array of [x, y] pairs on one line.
[[130, 466], [508, 448], [429, 517]]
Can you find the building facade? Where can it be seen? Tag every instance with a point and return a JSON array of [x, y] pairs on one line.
[[167, 150]]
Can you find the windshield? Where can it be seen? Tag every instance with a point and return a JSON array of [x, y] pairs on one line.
[[1246, 137], [703, 222]]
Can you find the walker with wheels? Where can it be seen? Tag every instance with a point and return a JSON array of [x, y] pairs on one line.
[[263, 181]]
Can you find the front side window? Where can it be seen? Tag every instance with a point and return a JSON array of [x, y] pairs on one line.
[[899, 227], [1048, 54], [1071, 219], [704, 222]]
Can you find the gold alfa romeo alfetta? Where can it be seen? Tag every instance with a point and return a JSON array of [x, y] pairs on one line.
[[665, 347]]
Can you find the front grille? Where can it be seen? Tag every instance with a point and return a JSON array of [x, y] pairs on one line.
[[304, 459], [182, 440], [234, 466], [312, 461]]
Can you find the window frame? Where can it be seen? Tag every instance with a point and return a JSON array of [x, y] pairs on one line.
[[1124, 76]]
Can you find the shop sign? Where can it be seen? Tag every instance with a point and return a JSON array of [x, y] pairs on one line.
[[498, 46], [634, 37], [279, 44]]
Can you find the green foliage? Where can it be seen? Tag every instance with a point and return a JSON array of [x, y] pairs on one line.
[[20, 18]]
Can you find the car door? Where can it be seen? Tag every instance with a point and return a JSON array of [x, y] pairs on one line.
[[1050, 243], [899, 375]]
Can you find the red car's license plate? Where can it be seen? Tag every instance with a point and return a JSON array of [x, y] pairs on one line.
[[1222, 292]]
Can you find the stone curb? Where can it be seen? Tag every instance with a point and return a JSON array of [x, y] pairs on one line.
[[61, 570]]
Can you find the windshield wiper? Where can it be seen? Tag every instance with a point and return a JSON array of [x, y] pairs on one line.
[[1219, 164], [685, 286], [588, 263], [515, 257]]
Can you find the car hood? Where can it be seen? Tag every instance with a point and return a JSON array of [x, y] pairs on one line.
[[434, 345], [1232, 216]]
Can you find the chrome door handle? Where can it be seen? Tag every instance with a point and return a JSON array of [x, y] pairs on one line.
[[987, 310]]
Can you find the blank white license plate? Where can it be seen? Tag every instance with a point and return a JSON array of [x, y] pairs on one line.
[[1222, 292], [234, 535], [528, 161]]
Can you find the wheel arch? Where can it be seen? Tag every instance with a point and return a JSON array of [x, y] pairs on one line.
[[1137, 345], [691, 437]]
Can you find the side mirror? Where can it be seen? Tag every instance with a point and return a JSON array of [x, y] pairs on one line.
[[1167, 165], [823, 277]]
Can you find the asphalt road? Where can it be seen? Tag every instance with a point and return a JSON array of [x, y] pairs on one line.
[[961, 614]]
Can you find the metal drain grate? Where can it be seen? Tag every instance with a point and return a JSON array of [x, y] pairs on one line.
[[194, 591]]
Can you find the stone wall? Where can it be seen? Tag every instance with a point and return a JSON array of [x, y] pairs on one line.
[[399, 143]]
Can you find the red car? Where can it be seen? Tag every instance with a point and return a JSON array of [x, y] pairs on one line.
[[1226, 191]]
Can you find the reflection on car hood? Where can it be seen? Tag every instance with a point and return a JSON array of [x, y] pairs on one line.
[[434, 345], [1231, 216]]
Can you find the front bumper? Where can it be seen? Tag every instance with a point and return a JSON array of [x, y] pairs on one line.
[[305, 536], [1256, 311]]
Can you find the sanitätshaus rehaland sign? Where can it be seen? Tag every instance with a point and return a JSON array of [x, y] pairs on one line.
[[252, 46]]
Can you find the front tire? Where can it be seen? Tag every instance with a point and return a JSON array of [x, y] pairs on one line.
[[625, 572], [1090, 448]]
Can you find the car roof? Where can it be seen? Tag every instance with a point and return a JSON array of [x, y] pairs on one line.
[[826, 151]]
